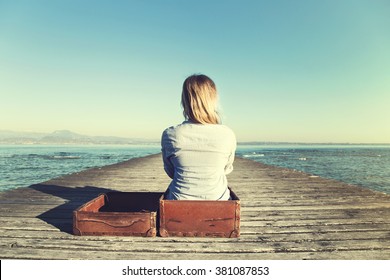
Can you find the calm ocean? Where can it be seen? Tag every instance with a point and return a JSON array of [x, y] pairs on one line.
[[24, 165], [366, 165]]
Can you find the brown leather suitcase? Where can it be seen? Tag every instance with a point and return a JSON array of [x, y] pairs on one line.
[[200, 218], [118, 213]]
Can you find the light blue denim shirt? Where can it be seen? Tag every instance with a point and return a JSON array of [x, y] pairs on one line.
[[198, 157]]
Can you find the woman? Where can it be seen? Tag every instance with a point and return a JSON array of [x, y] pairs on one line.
[[198, 153]]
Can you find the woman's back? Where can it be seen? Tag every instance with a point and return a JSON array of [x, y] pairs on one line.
[[197, 157]]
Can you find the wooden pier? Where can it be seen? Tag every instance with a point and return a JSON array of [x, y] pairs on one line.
[[285, 214]]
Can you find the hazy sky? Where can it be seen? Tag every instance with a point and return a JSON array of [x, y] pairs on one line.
[[310, 71]]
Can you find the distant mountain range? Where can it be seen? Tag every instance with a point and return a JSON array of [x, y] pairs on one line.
[[65, 137]]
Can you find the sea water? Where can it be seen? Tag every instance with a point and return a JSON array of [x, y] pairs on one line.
[[364, 165], [24, 165]]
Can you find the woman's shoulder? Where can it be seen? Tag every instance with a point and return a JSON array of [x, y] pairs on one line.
[[172, 131], [193, 128], [177, 128]]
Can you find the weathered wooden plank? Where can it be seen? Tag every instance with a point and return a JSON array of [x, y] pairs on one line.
[[290, 236], [54, 253], [204, 247], [39, 253]]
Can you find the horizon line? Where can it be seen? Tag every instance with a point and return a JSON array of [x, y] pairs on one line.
[[153, 140]]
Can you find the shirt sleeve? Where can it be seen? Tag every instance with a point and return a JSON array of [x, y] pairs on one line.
[[168, 166], [229, 164]]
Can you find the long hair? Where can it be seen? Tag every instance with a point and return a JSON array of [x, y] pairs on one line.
[[199, 99]]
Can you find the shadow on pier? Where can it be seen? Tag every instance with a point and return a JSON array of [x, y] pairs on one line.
[[61, 216]]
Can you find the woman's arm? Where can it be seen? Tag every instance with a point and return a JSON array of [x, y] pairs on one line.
[[168, 167], [229, 164]]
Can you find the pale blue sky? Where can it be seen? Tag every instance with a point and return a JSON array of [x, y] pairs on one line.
[[309, 71]]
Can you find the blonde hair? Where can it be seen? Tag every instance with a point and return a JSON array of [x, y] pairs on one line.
[[199, 99]]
